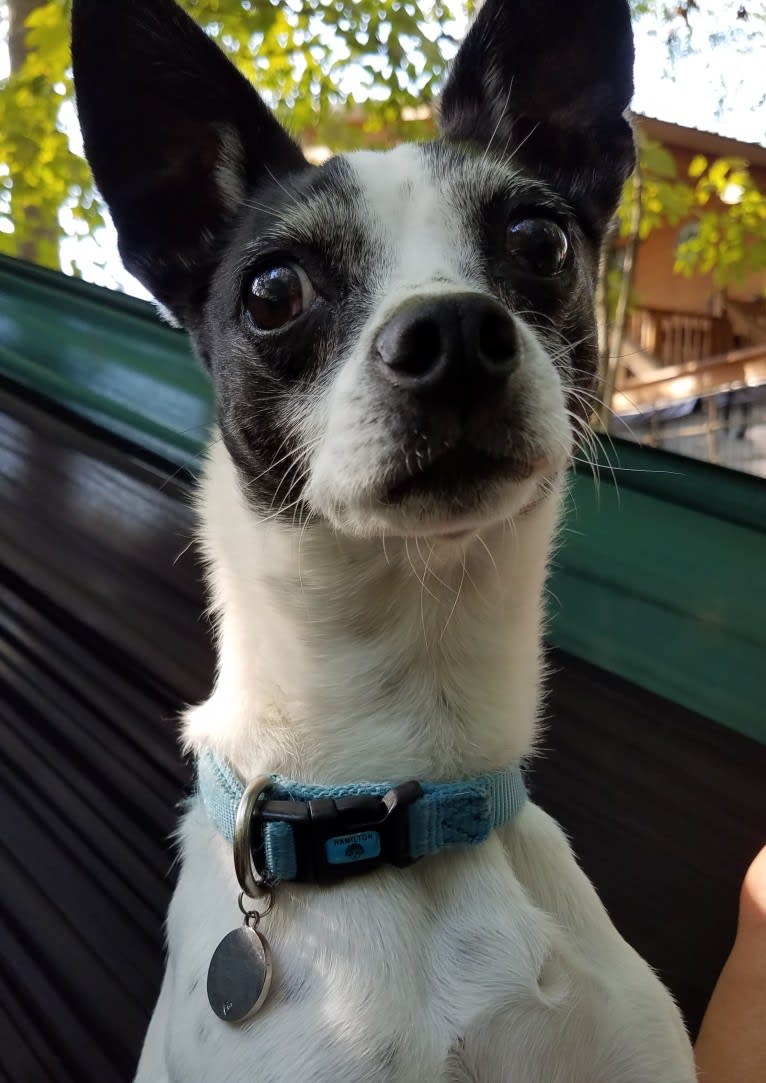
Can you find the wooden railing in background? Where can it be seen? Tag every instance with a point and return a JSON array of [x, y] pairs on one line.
[[735, 369], [677, 337]]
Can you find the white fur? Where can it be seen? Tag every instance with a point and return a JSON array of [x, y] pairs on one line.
[[356, 646]]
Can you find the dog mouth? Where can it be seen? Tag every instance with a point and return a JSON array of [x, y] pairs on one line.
[[447, 499], [459, 475]]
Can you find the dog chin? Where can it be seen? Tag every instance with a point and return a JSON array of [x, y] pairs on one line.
[[443, 522]]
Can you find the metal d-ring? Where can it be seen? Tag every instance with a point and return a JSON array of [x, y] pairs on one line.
[[253, 917], [251, 884]]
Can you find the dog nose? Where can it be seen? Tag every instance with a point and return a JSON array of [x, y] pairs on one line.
[[461, 339]]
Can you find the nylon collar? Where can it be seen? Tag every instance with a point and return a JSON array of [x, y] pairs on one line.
[[322, 834]]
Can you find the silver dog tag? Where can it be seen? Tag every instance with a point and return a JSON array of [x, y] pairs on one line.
[[239, 975]]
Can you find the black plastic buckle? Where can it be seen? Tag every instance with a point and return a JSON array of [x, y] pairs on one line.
[[335, 839]]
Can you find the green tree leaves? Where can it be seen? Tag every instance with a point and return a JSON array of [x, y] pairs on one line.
[[312, 61], [722, 200], [315, 62], [730, 240]]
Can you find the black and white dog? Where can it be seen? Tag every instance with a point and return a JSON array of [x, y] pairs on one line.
[[402, 346]]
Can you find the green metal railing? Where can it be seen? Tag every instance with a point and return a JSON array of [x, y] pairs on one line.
[[105, 356]]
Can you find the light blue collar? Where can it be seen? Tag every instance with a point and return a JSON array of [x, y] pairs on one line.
[[326, 833]]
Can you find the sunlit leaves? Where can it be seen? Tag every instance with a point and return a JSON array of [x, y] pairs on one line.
[[697, 166], [719, 196], [730, 240], [313, 61], [42, 174], [665, 199], [342, 73]]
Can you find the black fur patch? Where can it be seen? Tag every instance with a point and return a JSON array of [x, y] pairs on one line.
[[316, 219]]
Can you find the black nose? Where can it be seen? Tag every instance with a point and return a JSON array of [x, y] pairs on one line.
[[462, 339]]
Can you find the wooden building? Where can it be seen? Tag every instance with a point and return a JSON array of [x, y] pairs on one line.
[[693, 367]]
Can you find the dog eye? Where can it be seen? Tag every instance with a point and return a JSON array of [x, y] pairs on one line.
[[278, 295], [538, 245]]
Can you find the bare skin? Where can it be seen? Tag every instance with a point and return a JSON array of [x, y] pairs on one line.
[[731, 1047]]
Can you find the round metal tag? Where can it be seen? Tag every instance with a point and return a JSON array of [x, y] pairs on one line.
[[239, 975]]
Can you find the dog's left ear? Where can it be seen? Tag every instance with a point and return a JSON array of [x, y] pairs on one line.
[[175, 137], [548, 82]]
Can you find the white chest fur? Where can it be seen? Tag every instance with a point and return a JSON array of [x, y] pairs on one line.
[[490, 963], [496, 963]]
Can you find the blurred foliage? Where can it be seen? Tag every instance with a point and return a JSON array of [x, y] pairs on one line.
[[315, 62], [37, 169], [719, 197], [690, 26], [307, 59], [731, 237], [665, 198]]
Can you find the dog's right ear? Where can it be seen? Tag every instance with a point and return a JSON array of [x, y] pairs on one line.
[[175, 137], [548, 82]]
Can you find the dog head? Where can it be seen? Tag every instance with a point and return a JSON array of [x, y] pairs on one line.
[[403, 342]]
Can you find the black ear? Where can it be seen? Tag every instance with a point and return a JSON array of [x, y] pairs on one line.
[[175, 137], [548, 82]]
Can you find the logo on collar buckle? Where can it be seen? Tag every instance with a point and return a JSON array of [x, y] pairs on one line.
[[339, 837]]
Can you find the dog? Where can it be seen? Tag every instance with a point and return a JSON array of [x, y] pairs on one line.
[[403, 350]]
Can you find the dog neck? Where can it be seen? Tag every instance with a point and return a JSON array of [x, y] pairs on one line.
[[341, 659]]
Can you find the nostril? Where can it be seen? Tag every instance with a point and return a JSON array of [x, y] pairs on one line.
[[422, 348], [498, 344], [413, 348]]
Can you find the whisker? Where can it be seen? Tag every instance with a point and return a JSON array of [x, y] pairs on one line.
[[502, 113], [454, 605]]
